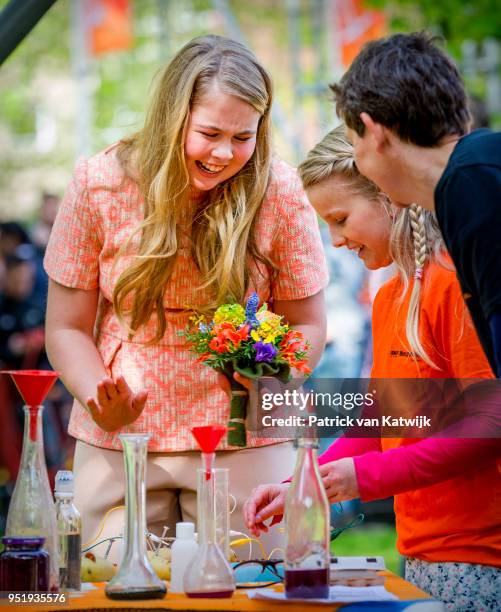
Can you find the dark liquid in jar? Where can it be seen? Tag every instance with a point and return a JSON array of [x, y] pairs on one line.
[[307, 584]]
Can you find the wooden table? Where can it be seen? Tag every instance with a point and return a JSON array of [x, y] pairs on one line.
[[96, 600]]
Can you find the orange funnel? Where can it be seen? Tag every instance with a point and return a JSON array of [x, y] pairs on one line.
[[33, 385], [208, 437]]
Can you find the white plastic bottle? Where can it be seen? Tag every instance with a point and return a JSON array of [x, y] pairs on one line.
[[183, 550], [69, 525]]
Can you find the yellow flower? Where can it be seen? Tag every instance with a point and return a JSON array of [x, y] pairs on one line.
[[255, 336]]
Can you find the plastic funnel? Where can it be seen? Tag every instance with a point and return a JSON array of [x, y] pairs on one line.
[[208, 436], [33, 385]]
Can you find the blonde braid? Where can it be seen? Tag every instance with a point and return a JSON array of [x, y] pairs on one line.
[[418, 226]]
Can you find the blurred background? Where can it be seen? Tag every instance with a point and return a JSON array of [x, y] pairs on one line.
[[81, 79]]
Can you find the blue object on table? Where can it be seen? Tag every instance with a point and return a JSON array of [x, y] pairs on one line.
[[255, 573], [412, 605]]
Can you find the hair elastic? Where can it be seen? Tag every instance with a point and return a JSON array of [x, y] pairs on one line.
[[418, 273]]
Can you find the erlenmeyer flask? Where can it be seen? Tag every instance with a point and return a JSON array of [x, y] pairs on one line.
[[135, 578], [31, 509], [208, 574]]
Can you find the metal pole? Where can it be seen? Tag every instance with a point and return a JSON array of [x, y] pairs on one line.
[[17, 19], [81, 71]]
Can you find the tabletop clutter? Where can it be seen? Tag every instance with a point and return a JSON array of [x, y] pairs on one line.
[[43, 539]]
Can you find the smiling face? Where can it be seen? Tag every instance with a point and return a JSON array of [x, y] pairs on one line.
[[220, 138], [354, 221]]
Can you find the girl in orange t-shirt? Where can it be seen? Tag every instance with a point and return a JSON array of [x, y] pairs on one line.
[[447, 490]]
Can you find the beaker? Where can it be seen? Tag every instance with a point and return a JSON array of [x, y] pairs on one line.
[[135, 578], [209, 573], [31, 509]]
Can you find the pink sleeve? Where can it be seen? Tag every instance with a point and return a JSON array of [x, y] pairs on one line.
[[349, 447], [436, 459], [423, 464]]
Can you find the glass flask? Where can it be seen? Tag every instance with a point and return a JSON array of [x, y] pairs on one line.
[[135, 578], [209, 573], [31, 509], [307, 528], [24, 565]]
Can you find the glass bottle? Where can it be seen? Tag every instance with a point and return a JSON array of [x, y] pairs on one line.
[[209, 573], [135, 578], [69, 527], [31, 509], [24, 565], [307, 525]]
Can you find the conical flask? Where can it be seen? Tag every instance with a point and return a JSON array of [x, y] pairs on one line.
[[135, 578], [209, 573], [31, 509]]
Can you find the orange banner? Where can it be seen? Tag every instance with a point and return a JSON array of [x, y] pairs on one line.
[[108, 25], [357, 25]]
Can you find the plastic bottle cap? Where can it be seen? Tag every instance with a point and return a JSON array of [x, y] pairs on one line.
[[185, 531], [64, 483]]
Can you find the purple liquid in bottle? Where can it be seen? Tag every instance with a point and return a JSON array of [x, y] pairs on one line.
[[24, 565], [210, 594], [307, 584]]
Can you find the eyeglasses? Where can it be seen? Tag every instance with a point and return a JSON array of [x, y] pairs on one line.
[[265, 572]]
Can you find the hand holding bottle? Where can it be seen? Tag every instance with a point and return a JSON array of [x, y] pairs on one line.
[[340, 480], [116, 404]]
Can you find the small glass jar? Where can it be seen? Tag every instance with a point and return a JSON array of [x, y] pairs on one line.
[[24, 565]]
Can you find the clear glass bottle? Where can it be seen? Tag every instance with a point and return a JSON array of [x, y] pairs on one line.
[[209, 573], [31, 509], [69, 527], [307, 525], [135, 578]]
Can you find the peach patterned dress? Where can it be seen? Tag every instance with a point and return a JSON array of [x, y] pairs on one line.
[[99, 212]]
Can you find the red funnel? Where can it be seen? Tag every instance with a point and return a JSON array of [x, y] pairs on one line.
[[33, 385], [208, 437]]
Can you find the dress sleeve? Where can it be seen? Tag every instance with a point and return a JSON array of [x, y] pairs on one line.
[[297, 247], [72, 255]]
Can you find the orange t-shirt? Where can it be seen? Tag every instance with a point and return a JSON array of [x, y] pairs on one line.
[[459, 519]]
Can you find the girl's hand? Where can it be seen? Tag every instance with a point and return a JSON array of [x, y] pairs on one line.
[[264, 501], [116, 405], [224, 383], [340, 480]]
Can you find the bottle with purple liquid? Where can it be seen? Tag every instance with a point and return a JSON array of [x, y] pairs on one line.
[[307, 528]]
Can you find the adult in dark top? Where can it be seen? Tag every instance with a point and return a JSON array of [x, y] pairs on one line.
[[406, 110]]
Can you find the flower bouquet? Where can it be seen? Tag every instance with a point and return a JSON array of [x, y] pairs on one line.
[[252, 341]]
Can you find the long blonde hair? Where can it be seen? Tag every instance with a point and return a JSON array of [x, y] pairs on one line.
[[414, 237], [222, 232]]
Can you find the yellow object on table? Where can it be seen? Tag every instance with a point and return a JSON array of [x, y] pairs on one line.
[[97, 600]]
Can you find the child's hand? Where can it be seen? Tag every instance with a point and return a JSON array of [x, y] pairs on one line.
[[340, 480], [265, 501], [116, 405], [224, 383]]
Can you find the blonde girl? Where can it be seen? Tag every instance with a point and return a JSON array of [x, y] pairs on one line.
[[188, 213], [420, 329]]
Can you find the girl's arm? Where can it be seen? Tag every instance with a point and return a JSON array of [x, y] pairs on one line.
[[309, 317], [419, 465], [70, 346]]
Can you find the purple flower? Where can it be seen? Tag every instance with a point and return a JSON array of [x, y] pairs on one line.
[[251, 309], [265, 351]]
